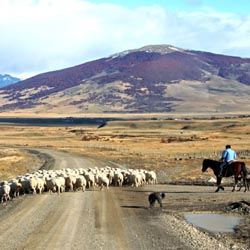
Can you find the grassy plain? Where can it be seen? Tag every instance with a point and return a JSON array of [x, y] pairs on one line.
[[174, 148]]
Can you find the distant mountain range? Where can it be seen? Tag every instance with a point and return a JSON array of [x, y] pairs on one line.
[[156, 78], [7, 80]]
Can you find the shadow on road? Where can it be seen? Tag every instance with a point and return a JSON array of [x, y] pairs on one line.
[[138, 207]]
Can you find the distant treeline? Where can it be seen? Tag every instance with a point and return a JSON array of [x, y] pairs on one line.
[[98, 121], [55, 121]]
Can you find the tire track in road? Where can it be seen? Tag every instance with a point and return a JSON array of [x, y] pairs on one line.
[[50, 222], [22, 222], [108, 220]]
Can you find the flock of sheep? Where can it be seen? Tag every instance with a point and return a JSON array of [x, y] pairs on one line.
[[73, 180]]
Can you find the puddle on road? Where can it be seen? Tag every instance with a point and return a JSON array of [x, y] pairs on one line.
[[215, 223]]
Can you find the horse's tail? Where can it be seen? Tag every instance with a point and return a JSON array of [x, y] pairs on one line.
[[244, 169]]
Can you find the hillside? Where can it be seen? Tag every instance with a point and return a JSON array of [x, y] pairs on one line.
[[157, 78], [6, 79]]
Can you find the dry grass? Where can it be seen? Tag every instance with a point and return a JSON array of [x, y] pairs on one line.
[[175, 148], [14, 162]]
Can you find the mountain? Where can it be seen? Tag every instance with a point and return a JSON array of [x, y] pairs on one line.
[[156, 78], [7, 80]]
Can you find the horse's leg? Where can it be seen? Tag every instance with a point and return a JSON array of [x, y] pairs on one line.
[[219, 184], [235, 183], [239, 188], [242, 184], [245, 184]]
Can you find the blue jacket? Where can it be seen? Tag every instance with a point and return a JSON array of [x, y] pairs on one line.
[[228, 155]]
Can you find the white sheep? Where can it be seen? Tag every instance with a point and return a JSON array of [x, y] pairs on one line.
[[80, 183], [135, 180], [50, 185], [33, 184], [4, 191], [118, 178], [25, 184], [55, 184], [70, 181], [15, 188], [60, 184], [40, 185], [74, 179], [110, 175], [90, 179], [143, 177], [151, 177], [102, 180]]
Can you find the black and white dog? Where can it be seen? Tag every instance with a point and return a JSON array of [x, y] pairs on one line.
[[156, 196]]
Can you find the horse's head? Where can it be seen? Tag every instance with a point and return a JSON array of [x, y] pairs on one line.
[[205, 165]]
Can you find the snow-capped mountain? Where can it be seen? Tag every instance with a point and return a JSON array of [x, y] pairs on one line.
[[6, 80]]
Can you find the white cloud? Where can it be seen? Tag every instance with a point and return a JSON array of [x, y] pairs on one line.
[[39, 36]]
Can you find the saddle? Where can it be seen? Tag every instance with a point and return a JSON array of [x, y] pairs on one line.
[[225, 167], [227, 164]]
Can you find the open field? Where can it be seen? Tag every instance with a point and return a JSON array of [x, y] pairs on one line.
[[162, 145]]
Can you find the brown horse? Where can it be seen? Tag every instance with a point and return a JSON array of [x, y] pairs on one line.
[[236, 169]]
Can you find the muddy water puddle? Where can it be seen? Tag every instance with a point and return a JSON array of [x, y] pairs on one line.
[[215, 223]]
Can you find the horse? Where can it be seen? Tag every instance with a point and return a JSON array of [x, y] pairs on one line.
[[235, 168]]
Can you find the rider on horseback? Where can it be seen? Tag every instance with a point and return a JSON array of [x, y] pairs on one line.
[[228, 155]]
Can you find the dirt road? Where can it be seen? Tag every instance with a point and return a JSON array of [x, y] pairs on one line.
[[115, 218]]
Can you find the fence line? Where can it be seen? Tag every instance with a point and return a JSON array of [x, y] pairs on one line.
[[208, 154]]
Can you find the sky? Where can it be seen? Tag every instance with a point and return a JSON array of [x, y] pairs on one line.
[[38, 36]]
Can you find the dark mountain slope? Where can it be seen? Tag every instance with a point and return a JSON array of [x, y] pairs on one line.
[[151, 79]]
